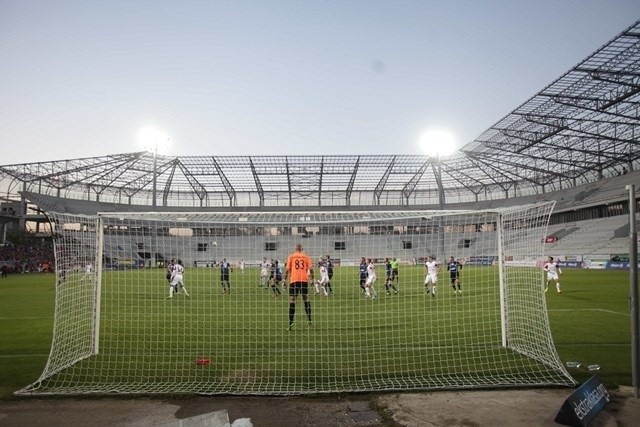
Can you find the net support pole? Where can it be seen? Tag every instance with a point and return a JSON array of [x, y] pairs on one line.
[[98, 285], [633, 288], [503, 291]]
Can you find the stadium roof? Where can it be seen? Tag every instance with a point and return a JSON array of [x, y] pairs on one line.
[[581, 128]]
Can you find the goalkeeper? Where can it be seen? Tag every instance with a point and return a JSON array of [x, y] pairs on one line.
[[298, 271]]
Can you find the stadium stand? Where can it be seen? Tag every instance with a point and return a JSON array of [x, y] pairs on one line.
[[592, 237]]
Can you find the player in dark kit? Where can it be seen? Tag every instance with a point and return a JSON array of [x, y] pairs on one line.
[[329, 266], [388, 283], [454, 268], [170, 269], [276, 278], [363, 274], [225, 269]]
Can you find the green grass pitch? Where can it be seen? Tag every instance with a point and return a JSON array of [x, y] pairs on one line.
[[590, 323]]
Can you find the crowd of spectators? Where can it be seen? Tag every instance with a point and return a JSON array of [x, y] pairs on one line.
[[31, 257]]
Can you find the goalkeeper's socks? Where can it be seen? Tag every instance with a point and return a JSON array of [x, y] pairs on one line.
[[292, 312], [307, 309]]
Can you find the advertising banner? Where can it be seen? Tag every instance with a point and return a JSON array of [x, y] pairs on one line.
[[583, 405], [595, 264], [481, 260], [571, 264], [619, 265]]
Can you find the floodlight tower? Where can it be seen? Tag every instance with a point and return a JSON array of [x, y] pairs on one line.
[[437, 144], [154, 140]]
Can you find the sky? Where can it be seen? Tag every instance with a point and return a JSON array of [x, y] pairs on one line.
[[84, 78]]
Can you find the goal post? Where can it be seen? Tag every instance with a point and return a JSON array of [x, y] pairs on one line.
[[226, 330], [77, 293]]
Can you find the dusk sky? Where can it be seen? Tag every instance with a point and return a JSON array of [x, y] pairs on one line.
[[83, 78]]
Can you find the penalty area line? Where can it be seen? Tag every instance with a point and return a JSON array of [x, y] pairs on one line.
[[602, 310], [13, 356], [27, 318]]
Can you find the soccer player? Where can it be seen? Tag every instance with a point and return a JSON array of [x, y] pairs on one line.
[[265, 269], [432, 268], [272, 271], [298, 272], [62, 274], [363, 274], [394, 269], [454, 267], [225, 269], [321, 285], [177, 280], [88, 270], [369, 290], [169, 271], [277, 279], [242, 266], [553, 273], [329, 265], [388, 283]]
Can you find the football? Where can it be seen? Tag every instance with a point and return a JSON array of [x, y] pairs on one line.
[[215, 243]]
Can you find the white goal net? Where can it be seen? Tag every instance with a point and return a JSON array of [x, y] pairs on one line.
[[122, 327]]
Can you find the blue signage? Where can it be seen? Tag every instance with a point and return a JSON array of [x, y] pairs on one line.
[[619, 265], [583, 405], [571, 264]]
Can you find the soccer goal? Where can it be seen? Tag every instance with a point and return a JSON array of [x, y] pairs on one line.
[[124, 327]]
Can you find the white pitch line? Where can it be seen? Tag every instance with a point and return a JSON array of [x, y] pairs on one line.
[[25, 318], [11, 356], [591, 309], [612, 344]]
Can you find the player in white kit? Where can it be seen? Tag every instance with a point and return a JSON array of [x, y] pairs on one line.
[[553, 273], [177, 280], [431, 278], [369, 290]]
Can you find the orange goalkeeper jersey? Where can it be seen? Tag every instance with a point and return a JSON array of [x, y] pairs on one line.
[[298, 265]]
